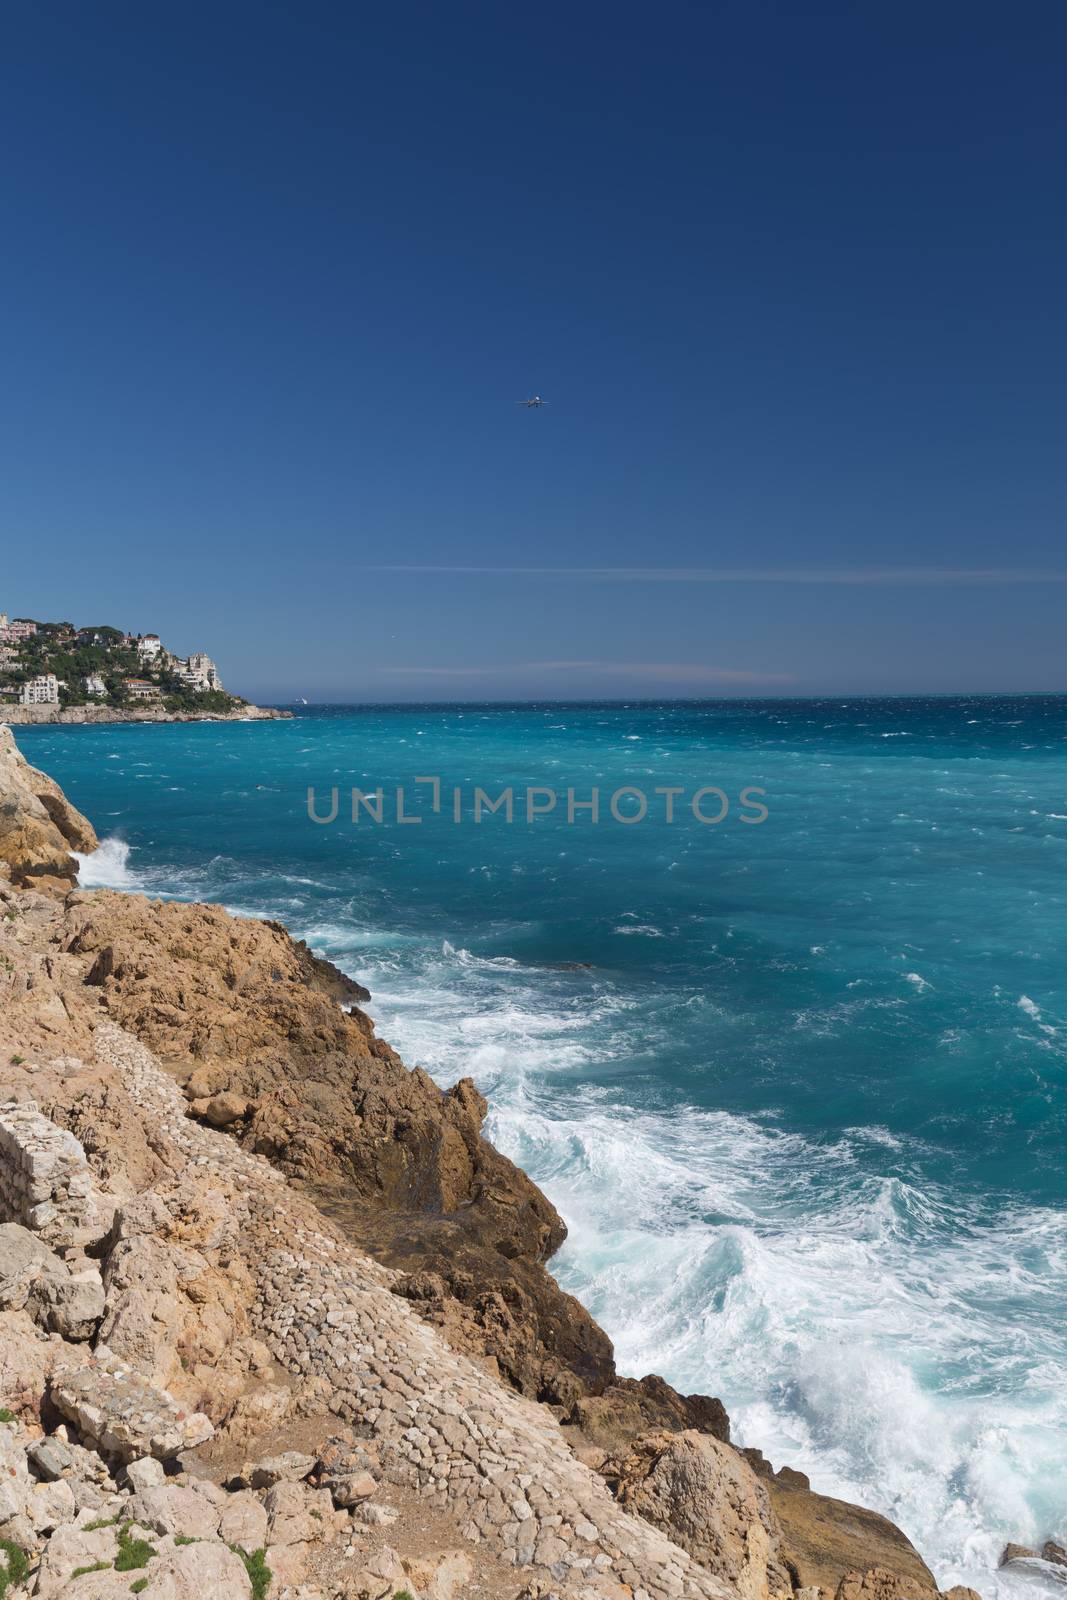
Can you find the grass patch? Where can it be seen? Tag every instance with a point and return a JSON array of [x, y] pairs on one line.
[[185, 1538], [97, 1566], [139, 1585], [259, 1574], [133, 1553], [101, 1522], [15, 1566], [6, 1415], [18, 1061]]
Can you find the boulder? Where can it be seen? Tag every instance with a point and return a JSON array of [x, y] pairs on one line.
[[244, 1521], [289, 1467], [176, 1508], [383, 1576], [1015, 1552], [349, 1470], [222, 1110], [24, 1260], [51, 1505], [70, 1303], [144, 1473], [353, 1489], [26, 1362], [297, 1514], [124, 1415], [16, 1485], [1056, 1553], [51, 1459]]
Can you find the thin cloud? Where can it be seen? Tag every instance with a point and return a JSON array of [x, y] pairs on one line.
[[648, 671], [874, 577]]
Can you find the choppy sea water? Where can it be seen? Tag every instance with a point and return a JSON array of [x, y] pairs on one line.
[[797, 1088]]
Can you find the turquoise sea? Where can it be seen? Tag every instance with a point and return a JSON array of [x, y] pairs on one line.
[[799, 1088]]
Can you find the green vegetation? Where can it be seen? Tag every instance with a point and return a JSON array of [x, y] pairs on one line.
[[15, 1566], [6, 1415], [133, 1553], [139, 1585], [74, 655], [185, 1538], [18, 1061], [101, 1522], [97, 1566], [259, 1574], [182, 699]]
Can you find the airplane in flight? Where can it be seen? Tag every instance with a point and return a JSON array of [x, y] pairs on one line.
[[532, 403]]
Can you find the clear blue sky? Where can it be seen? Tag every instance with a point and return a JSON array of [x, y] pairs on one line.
[[792, 278]]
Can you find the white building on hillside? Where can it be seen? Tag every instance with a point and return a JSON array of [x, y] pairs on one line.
[[201, 672], [149, 647], [94, 684], [141, 689], [42, 691]]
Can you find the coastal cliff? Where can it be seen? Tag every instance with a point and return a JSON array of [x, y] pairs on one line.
[[270, 1303]]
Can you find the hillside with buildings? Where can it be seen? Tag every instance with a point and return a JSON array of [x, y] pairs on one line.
[[55, 664]]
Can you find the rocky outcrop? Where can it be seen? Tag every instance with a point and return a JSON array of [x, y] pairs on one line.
[[271, 1043], [38, 825], [705, 1496], [75, 715], [826, 1540]]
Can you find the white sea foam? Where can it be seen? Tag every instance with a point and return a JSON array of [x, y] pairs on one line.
[[858, 1327], [108, 867]]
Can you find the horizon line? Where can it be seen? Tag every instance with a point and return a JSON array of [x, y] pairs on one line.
[[886, 577]]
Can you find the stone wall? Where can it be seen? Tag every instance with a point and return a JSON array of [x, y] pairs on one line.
[[46, 1183]]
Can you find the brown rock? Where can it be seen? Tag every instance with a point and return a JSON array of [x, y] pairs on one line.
[[706, 1497], [879, 1584], [1051, 1551], [1015, 1552], [826, 1540], [630, 1407], [401, 1165], [222, 1110], [38, 825]]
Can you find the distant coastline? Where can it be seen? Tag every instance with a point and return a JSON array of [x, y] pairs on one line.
[[21, 716], [53, 672]]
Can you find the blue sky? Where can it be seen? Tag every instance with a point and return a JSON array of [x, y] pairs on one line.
[[791, 278]]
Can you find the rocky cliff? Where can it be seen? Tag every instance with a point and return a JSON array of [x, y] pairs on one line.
[[38, 825], [275, 1317]]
